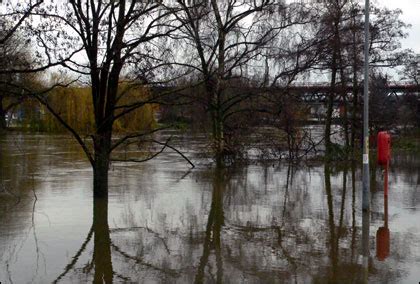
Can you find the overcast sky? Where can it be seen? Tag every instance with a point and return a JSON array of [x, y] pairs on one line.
[[411, 15]]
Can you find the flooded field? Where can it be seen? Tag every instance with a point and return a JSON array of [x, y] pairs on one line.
[[165, 223]]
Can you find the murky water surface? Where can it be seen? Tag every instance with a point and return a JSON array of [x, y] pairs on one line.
[[166, 224]]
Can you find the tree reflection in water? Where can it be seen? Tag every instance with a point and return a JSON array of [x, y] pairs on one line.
[[101, 263], [100, 269], [102, 248], [343, 270], [255, 224], [333, 243], [215, 222]]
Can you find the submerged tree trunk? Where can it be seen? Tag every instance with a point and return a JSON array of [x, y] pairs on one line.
[[220, 139], [102, 242], [102, 146], [217, 127]]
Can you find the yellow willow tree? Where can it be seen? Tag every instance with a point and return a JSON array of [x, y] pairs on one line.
[[67, 101], [113, 36]]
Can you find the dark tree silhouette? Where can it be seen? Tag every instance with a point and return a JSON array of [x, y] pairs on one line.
[[113, 37]]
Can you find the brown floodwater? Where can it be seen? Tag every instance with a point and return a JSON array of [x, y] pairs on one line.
[[165, 223]]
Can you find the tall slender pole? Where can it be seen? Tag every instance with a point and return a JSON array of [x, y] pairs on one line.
[[366, 178]]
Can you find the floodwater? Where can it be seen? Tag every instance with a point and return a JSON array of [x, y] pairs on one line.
[[163, 223]]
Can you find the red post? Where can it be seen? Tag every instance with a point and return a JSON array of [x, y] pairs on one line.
[[384, 155], [384, 148], [386, 181], [383, 233]]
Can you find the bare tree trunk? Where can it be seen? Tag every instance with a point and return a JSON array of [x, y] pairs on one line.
[[354, 109], [102, 146], [330, 105], [354, 89], [346, 122], [289, 143], [220, 145], [221, 138], [3, 123], [219, 127], [344, 97]]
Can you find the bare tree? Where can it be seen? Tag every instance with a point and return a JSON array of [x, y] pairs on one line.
[[410, 105], [19, 12], [225, 37], [14, 52], [341, 33], [411, 71], [100, 41]]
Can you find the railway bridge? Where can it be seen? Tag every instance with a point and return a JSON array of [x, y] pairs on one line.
[[315, 94]]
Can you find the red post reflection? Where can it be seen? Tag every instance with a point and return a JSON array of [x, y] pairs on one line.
[[383, 234]]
